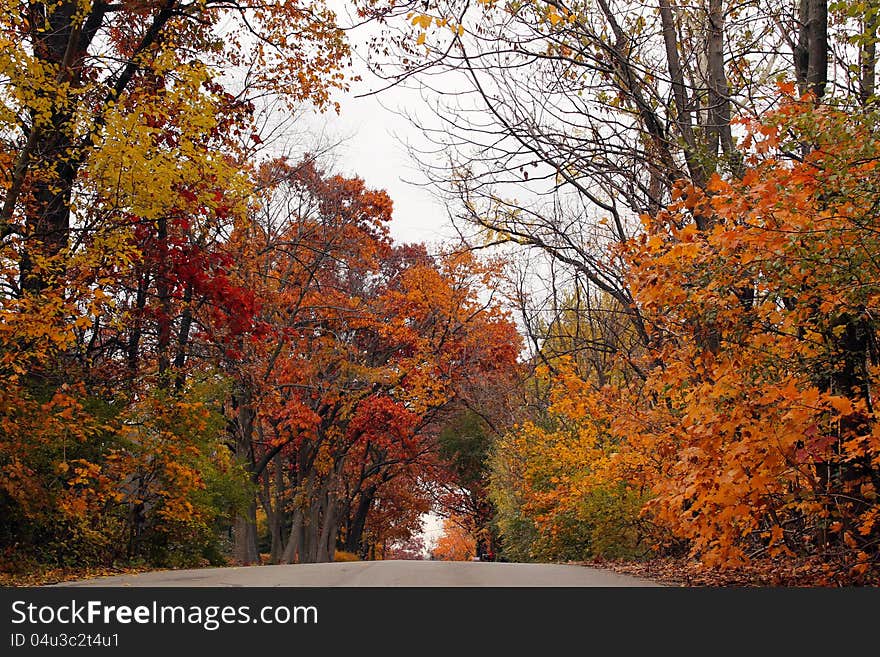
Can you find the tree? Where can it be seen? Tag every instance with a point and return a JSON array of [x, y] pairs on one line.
[[456, 543], [551, 485], [78, 75], [362, 344], [765, 435], [124, 159]]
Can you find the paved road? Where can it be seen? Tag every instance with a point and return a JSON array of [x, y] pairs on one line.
[[379, 573]]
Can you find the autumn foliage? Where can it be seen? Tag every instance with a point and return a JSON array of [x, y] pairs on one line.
[[456, 543], [760, 420], [555, 496], [190, 327], [210, 352], [752, 436]]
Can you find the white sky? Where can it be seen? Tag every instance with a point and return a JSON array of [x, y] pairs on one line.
[[374, 147], [374, 152]]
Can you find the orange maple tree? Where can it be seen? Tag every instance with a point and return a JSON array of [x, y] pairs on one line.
[[456, 543], [755, 431]]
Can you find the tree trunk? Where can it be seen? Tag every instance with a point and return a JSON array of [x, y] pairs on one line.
[[49, 148], [244, 528], [277, 513], [312, 532], [679, 94], [244, 531], [719, 93], [811, 52], [328, 530], [817, 68], [294, 549], [868, 60], [163, 294], [359, 521], [186, 321], [134, 337]]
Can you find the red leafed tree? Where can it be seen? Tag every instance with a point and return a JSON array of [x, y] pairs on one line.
[[361, 344], [412, 549]]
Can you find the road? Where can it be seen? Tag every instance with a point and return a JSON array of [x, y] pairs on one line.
[[379, 573]]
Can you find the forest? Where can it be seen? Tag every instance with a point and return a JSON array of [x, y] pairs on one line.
[[653, 345]]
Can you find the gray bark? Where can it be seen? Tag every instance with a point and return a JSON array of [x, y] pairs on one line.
[[293, 550], [275, 512], [356, 531], [327, 540], [811, 52], [679, 94], [868, 60], [244, 526], [719, 92], [244, 531]]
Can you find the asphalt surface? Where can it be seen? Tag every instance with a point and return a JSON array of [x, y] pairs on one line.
[[379, 573]]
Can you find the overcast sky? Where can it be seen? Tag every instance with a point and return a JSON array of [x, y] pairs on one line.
[[373, 152], [373, 149]]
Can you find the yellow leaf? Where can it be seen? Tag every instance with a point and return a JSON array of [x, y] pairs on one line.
[[423, 20], [421, 39]]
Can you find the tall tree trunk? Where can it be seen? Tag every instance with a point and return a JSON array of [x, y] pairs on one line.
[[359, 521], [244, 531], [868, 59], [719, 92], [134, 337], [308, 549], [817, 69], [331, 545], [293, 550], [272, 507], [313, 528], [277, 515], [244, 527], [163, 293], [683, 120], [811, 52], [56, 40], [186, 321], [327, 539]]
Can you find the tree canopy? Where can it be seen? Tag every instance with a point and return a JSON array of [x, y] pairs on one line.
[[656, 337]]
